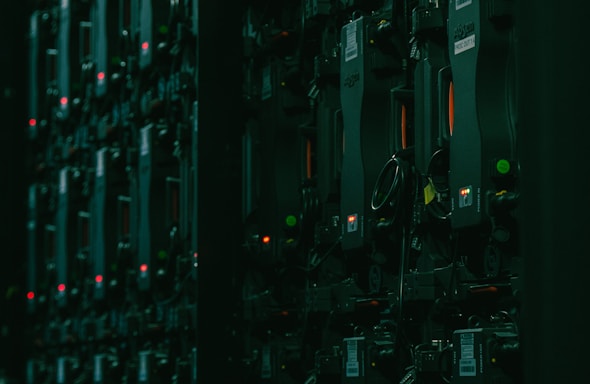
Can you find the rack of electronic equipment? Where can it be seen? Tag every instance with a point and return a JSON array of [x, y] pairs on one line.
[[379, 198]]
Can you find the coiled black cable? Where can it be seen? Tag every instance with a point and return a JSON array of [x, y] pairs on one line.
[[389, 189]]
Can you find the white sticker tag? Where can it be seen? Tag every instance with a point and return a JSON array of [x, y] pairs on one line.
[[467, 367], [465, 44], [100, 162], [467, 363], [145, 142], [352, 369], [462, 4], [352, 365], [351, 50], [63, 181]]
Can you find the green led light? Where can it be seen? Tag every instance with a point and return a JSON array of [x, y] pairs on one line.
[[162, 255], [291, 221], [503, 166], [163, 29]]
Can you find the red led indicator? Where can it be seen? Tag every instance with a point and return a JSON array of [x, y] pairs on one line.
[[63, 100], [100, 76], [61, 287], [266, 239], [351, 218], [464, 191], [98, 279], [30, 295], [32, 122], [143, 268], [145, 45]]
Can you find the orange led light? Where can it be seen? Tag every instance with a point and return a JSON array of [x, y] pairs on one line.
[[451, 108]]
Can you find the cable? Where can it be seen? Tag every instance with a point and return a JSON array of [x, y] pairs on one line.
[[178, 290], [402, 266], [512, 319], [392, 197], [439, 363], [438, 164], [315, 261]]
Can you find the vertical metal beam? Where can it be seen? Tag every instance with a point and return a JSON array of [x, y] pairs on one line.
[[554, 137], [219, 180]]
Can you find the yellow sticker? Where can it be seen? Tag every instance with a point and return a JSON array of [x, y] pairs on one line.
[[429, 193]]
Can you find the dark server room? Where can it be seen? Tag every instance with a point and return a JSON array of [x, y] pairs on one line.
[[294, 191]]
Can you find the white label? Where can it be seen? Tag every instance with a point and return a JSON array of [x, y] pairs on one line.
[[145, 142], [65, 4], [465, 44], [266, 83], [467, 345], [352, 369], [351, 50], [63, 181], [352, 358], [352, 350], [467, 351], [467, 364], [100, 163], [462, 3], [467, 367]]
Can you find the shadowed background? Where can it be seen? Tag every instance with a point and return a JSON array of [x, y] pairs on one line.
[[13, 25]]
